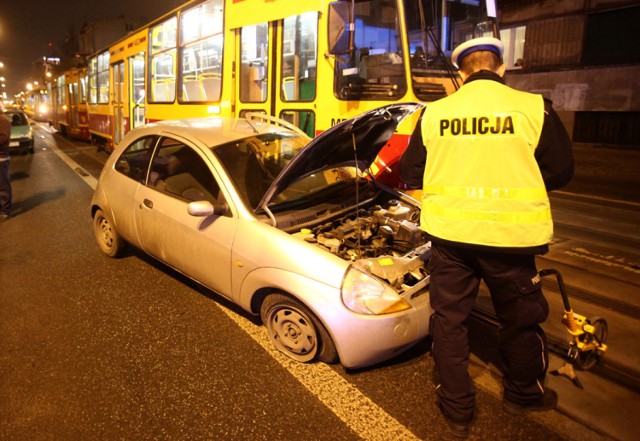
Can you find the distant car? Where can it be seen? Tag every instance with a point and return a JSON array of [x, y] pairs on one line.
[[289, 228], [21, 133]]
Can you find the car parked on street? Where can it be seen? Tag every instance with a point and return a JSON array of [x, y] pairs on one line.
[[21, 133], [290, 228]]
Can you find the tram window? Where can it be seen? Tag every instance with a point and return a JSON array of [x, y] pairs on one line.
[[254, 66], [201, 21], [434, 28], [92, 77], [375, 70], [82, 83], [137, 68], [61, 96], [98, 77], [201, 40], [303, 119], [202, 71], [103, 78], [73, 93], [163, 78], [162, 72], [164, 36], [299, 56]]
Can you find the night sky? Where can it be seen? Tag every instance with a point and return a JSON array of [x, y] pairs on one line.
[[28, 26]]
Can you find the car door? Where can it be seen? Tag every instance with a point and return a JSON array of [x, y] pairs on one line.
[[199, 247]]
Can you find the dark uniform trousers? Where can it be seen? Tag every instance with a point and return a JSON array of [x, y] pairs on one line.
[[520, 306]]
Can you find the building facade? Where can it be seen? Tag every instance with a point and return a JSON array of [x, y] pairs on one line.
[[584, 55]]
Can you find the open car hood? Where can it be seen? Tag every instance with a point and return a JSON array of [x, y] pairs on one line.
[[335, 147]]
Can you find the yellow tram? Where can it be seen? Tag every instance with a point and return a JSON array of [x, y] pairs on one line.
[[311, 62]]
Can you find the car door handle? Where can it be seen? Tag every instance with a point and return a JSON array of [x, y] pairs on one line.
[[147, 203]]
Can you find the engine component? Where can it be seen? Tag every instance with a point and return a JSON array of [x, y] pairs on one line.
[[385, 242], [370, 233]]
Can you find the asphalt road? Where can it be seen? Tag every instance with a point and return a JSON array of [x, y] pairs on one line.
[[99, 348]]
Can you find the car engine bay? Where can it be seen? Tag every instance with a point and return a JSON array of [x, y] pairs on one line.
[[383, 240]]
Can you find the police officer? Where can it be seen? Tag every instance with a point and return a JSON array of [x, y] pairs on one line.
[[485, 158], [5, 182]]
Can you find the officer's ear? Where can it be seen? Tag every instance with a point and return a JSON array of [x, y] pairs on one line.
[[502, 69]]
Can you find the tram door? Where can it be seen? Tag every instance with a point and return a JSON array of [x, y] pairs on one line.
[[74, 118], [276, 72], [119, 96], [136, 90], [254, 71]]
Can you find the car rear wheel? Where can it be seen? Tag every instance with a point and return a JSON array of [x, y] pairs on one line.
[[295, 331], [106, 235]]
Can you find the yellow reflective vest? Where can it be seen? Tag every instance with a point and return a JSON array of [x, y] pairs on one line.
[[482, 184]]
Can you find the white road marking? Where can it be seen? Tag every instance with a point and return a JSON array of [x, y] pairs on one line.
[[597, 198], [609, 260], [90, 180], [356, 410]]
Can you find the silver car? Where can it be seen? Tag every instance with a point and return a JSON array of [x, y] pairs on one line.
[[293, 229]]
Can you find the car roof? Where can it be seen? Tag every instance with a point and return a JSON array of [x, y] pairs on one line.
[[213, 131], [14, 111]]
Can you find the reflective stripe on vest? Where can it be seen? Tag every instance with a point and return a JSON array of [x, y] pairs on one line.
[[520, 194], [523, 217]]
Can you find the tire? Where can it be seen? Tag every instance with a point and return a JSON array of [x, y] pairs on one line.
[[108, 239], [296, 331]]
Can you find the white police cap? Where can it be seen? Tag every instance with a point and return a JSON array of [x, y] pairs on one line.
[[476, 44]]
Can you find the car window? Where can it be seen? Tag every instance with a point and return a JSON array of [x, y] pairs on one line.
[[134, 160], [253, 163], [178, 170]]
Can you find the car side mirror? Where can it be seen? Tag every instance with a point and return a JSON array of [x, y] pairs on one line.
[[206, 208]]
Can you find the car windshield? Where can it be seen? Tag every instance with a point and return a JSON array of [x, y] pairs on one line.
[[253, 163], [17, 118]]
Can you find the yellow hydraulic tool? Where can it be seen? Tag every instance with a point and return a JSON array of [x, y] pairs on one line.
[[588, 335]]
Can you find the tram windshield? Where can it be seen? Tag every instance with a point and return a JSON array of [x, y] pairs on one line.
[[372, 67]]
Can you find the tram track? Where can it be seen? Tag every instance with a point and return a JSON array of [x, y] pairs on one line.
[[616, 305], [611, 238], [558, 344]]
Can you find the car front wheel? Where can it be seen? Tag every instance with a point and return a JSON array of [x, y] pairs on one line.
[[295, 331], [106, 235]]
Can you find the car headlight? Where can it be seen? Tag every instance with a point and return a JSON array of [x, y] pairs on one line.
[[365, 294]]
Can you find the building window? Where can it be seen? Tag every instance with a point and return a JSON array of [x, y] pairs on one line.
[[612, 37], [513, 40], [616, 128]]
